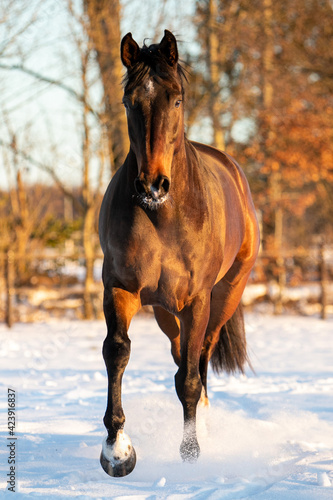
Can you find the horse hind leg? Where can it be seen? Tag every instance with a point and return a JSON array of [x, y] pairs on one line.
[[203, 368], [225, 340]]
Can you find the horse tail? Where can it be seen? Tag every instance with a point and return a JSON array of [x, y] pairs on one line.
[[230, 353]]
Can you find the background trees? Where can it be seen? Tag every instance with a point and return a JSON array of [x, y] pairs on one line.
[[260, 87], [274, 62]]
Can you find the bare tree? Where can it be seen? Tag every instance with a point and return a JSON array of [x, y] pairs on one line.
[[104, 33], [89, 133], [90, 155]]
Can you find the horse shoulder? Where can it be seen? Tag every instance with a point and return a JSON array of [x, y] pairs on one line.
[[228, 168], [224, 163]]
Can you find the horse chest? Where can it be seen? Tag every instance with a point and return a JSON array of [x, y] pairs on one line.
[[167, 266]]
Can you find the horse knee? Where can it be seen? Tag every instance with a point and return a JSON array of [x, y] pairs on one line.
[[116, 352]]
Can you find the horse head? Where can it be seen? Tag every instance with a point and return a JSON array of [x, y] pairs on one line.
[[153, 99]]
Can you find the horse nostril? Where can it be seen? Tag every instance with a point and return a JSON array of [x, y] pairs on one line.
[[161, 186], [139, 187], [156, 190], [165, 184]]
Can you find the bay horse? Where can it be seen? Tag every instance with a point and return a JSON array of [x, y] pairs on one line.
[[179, 232]]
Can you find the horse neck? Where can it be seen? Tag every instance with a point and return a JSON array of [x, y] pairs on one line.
[[186, 171]]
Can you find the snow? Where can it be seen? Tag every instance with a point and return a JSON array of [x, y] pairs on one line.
[[267, 436]]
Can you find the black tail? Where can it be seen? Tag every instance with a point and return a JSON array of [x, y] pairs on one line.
[[230, 351]]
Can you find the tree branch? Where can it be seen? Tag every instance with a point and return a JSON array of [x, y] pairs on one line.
[[51, 81]]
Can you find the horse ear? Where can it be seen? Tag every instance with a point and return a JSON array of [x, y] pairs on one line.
[[168, 47], [129, 51]]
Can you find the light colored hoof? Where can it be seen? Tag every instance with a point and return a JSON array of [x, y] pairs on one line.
[[119, 458]]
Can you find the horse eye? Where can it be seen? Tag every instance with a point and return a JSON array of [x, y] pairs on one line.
[[177, 104], [127, 102]]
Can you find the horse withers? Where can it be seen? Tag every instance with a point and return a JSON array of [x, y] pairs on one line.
[[179, 232]]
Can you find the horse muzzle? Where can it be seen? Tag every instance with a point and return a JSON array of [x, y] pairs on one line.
[[152, 194]]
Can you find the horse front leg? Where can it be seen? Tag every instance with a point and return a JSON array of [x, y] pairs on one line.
[[118, 456], [194, 319]]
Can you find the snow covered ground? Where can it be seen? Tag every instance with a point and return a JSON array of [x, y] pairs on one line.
[[266, 436]]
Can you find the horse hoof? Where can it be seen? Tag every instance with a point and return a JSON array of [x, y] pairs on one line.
[[118, 459], [190, 450]]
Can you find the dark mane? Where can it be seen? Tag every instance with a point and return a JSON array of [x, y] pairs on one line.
[[153, 64]]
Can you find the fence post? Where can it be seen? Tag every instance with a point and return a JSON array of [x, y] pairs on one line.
[[323, 280], [278, 305], [10, 291], [88, 282]]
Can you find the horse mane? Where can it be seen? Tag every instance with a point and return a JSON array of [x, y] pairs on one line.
[[153, 64]]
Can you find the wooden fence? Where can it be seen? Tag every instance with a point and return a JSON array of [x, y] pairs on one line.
[[54, 283], [297, 268]]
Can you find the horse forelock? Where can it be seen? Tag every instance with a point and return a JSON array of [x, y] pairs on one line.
[[152, 64]]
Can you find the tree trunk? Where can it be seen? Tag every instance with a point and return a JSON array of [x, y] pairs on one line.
[[10, 283], [104, 33], [268, 54], [22, 227], [323, 280], [88, 231], [214, 74], [89, 206]]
